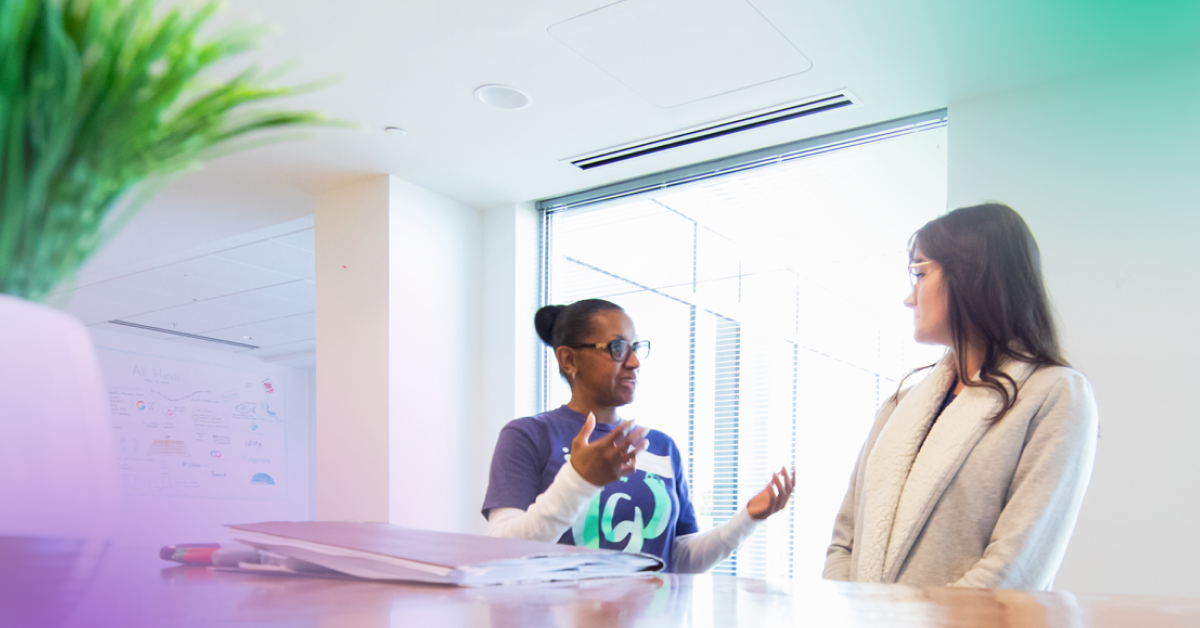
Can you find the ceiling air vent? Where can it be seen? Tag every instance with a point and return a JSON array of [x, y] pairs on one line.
[[182, 334], [805, 108]]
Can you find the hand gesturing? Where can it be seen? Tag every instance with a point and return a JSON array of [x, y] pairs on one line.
[[773, 498], [610, 458]]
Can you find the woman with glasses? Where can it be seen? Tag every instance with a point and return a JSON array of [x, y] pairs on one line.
[[973, 476], [580, 475]]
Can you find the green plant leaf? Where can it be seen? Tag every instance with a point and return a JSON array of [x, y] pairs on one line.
[[100, 99]]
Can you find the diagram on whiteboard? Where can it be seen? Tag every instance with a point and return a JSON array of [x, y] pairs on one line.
[[196, 430]]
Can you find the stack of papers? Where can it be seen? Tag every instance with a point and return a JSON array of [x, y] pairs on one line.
[[381, 551]]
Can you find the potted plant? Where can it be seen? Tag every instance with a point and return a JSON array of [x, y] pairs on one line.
[[99, 101]]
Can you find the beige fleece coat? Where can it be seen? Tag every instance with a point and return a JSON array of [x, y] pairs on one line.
[[980, 503]]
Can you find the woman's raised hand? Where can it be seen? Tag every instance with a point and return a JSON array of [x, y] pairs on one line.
[[610, 458], [773, 498]]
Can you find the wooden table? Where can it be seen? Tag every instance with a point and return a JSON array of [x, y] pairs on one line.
[[133, 588]]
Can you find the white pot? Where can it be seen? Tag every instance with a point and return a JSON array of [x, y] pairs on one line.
[[57, 463]]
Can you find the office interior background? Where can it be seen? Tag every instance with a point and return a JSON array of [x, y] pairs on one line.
[[383, 283]]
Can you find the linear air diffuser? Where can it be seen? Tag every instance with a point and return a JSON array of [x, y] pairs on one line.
[[775, 115], [183, 334]]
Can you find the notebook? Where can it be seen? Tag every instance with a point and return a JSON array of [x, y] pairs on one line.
[[381, 551]]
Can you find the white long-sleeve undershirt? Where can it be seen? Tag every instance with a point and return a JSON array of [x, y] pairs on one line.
[[553, 512]]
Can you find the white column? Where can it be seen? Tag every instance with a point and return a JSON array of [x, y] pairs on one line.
[[352, 352]]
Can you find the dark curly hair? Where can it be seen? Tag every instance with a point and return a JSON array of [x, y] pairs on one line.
[[564, 325]]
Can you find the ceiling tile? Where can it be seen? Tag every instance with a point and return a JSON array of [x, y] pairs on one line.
[[226, 272], [265, 306], [275, 256], [301, 239], [255, 330], [194, 318], [185, 288], [101, 302], [303, 291], [259, 334], [302, 326], [208, 344], [675, 52]]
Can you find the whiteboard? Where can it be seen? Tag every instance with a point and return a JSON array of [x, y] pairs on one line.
[[192, 429]]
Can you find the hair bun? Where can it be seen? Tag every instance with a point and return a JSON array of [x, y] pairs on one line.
[[544, 321]]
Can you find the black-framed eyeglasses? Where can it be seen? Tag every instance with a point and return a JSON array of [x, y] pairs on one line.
[[620, 348]]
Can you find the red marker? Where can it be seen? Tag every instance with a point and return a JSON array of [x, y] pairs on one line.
[[190, 553]]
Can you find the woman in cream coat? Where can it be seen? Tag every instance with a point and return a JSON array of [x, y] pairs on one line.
[[973, 481]]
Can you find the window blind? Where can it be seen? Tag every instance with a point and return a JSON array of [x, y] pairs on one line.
[[772, 298]]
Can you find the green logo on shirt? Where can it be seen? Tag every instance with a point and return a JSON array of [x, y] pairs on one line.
[[588, 528]]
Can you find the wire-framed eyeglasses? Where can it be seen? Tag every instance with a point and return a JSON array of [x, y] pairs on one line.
[[620, 348], [916, 271]]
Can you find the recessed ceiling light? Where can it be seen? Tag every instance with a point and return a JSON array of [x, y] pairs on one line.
[[503, 96], [247, 338], [395, 130]]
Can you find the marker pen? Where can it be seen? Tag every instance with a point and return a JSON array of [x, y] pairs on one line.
[[190, 553]]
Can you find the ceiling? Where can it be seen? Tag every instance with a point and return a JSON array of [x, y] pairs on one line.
[[415, 64], [256, 289]]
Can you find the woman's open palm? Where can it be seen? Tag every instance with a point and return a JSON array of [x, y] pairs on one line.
[[609, 458], [774, 497]]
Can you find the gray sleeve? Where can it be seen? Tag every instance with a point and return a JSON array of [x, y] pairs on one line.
[[837, 557], [1030, 538], [841, 547]]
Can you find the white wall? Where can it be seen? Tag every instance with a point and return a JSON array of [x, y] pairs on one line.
[[434, 324], [1104, 169], [151, 521], [510, 367], [432, 319]]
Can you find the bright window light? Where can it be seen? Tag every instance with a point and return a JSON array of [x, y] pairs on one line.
[[773, 301]]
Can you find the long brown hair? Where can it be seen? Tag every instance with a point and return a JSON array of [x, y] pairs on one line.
[[992, 271]]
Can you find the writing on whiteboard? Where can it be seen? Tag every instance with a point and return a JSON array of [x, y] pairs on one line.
[[196, 430]]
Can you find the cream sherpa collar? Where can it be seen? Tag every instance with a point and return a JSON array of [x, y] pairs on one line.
[[902, 487]]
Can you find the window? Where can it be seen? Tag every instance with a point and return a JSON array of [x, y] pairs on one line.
[[771, 289]]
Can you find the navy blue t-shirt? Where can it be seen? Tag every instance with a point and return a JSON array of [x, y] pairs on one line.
[[640, 513]]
